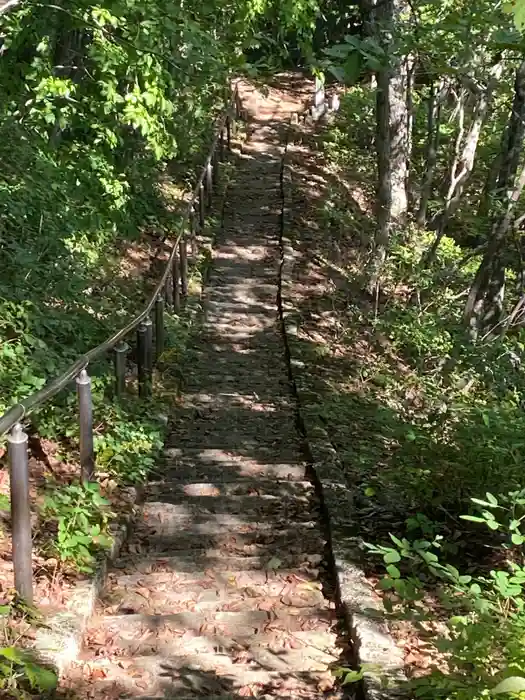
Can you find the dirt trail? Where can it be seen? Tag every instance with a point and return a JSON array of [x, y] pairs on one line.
[[218, 591]]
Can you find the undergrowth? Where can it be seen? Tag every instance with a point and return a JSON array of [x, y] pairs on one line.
[[430, 429]]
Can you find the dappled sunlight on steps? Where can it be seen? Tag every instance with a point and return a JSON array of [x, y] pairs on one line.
[[218, 592]]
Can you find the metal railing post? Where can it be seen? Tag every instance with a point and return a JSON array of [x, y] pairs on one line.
[[201, 206], [209, 183], [85, 413], [176, 286], [168, 292], [145, 357], [120, 353], [159, 327], [215, 171], [229, 132], [221, 145], [183, 250], [193, 235], [21, 514]]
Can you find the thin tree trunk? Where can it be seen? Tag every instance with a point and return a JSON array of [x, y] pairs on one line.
[[485, 299], [431, 150], [409, 185], [462, 166], [391, 121], [398, 127], [485, 302]]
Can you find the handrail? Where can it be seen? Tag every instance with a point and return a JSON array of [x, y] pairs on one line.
[[18, 411], [166, 290], [6, 6]]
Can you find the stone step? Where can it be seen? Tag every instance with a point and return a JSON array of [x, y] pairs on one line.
[[264, 488], [214, 559], [198, 676], [234, 538], [232, 625], [159, 593], [265, 579], [302, 649], [171, 506], [219, 464], [170, 696], [162, 518]]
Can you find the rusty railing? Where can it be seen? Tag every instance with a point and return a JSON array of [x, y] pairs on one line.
[[170, 289]]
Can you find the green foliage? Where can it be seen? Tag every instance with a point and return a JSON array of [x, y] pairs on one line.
[[21, 676], [486, 613], [428, 425], [82, 517]]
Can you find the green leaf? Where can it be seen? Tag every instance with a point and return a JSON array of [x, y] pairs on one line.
[[473, 518], [519, 14], [386, 584], [41, 678], [517, 539], [352, 677], [393, 571], [392, 557], [513, 684], [493, 500], [12, 654], [486, 504]]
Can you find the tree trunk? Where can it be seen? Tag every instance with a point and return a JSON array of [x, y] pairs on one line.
[[464, 157], [435, 101], [409, 185], [485, 301], [392, 137]]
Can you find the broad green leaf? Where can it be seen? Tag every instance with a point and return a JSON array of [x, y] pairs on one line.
[[392, 557], [513, 684], [473, 518], [393, 571]]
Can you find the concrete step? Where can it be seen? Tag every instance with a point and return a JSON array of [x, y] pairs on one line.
[[224, 624], [223, 465], [215, 560], [197, 676], [264, 488], [160, 593], [172, 507], [266, 580], [233, 537], [274, 649]]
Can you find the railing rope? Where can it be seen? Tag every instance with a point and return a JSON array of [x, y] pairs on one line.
[[167, 294]]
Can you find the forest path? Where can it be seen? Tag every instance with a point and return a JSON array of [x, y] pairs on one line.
[[218, 591]]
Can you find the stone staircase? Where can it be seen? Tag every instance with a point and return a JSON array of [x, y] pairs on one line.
[[218, 591]]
